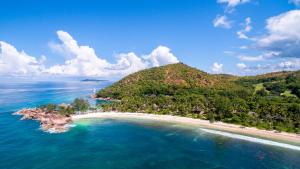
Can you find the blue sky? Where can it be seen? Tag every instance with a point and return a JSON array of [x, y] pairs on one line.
[[123, 36]]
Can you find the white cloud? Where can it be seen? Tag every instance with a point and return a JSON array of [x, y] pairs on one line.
[[14, 62], [288, 65], [230, 53], [243, 47], [264, 56], [247, 28], [241, 66], [161, 56], [84, 61], [232, 3], [296, 2], [282, 39], [217, 68], [81, 60], [251, 58], [283, 35], [222, 21]]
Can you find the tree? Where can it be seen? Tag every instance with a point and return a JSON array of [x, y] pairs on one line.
[[66, 110], [180, 90], [275, 88], [51, 107], [295, 89], [262, 92], [211, 117], [80, 105], [290, 79]]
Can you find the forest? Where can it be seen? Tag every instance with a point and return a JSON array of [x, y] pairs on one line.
[[270, 101]]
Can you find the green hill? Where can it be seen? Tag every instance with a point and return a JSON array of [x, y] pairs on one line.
[[269, 101], [165, 78]]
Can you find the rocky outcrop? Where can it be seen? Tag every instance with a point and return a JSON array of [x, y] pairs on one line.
[[50, 121]]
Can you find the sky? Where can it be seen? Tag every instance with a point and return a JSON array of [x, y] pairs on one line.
[[113, 38]]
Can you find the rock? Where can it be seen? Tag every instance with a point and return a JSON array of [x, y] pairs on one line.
[[49, 121]]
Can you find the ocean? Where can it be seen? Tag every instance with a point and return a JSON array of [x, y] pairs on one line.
[[118, 144]]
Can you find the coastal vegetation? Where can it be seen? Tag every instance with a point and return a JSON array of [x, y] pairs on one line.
[[270, 101], [78, 105], [55, 118]]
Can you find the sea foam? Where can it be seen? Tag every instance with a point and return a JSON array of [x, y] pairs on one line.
[[252, 139]]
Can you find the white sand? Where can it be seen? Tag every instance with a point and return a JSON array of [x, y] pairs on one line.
[[250, 131]]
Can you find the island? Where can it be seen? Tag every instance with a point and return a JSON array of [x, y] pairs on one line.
[[93, 80], [50, 121], [266, 105], [55, 118]]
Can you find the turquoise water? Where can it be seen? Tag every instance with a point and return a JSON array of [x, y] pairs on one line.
[[113, 144]]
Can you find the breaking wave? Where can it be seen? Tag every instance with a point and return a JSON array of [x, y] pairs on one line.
[[252, 139]]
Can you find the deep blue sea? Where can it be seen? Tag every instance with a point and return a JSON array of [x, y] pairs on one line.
[[113, 144]]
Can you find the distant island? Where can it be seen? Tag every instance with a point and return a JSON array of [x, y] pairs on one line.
[[93, 80]]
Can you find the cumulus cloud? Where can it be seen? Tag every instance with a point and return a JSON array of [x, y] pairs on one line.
[[257, 69], [243, 47], [281, 40], [161, 56], [260, 57], [283, 35], [247, 28], [84, 61], [222, 22], [80, 60], [231, 4], [288, 65], [217, 68], [241, 66], [296, 2], [14, 62], [251, 58]]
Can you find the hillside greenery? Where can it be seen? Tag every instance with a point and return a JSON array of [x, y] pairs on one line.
[[269, 101]]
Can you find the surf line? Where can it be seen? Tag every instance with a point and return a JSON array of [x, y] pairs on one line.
[[252, 139]]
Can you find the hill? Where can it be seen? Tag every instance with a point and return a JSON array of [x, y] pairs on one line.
[[158, 79], [269, 101]]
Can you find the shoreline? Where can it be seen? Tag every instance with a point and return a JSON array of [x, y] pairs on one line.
[[288, 138], [51, 122]]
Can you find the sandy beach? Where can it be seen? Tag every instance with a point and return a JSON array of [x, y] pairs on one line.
[[220, 126]]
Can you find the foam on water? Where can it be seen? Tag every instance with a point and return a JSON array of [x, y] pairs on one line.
[[252, 139]]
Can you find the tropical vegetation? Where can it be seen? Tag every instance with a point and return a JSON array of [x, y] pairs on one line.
[[270, 101], [78, 105]]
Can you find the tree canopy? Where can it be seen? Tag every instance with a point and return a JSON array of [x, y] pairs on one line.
[[269, 101]]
